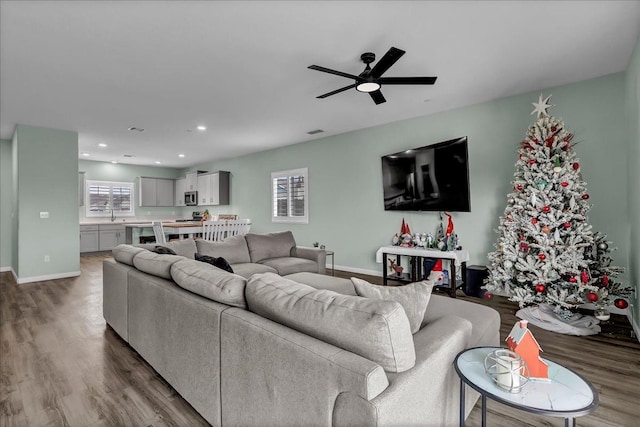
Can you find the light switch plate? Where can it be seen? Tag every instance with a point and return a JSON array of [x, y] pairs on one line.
[[44, 215]]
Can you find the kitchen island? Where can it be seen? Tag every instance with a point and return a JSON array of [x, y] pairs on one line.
[[135, 231]]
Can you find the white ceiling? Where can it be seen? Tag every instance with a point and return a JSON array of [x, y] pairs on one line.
[[240, 68]]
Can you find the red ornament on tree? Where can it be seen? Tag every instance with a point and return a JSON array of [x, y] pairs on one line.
[[621, 303], [573, 279], [519, 187], [534, 221], [567, 225], [592, 296], [564, 183], [540, 288], [554, 128], [585, 196], [584, 276], [546, 209], [487, 295], [605, 280], [576, 166], [542, 257], [532, 161]]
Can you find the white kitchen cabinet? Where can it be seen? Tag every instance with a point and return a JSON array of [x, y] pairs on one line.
[[180, 188], [111, 235], [156, 191], [204, 189], [213, 189], [192, 181], [89, 238]]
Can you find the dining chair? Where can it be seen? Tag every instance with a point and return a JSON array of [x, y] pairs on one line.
[[158, 231], [238, 227], [213, 230]]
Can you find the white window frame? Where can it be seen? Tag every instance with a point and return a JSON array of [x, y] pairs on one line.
[[289, 218], [107, 212]]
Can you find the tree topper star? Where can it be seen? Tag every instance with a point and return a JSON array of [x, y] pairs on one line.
[[542, 106]]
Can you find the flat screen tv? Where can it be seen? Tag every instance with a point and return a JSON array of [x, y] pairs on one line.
[[430, 178]]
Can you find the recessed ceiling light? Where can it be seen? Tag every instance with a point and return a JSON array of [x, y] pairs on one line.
[[102, 144], [157, 162], [201, 127], [86, 154], [113, 161], [313, 132], [128, 155], [132, 128], [180, 155]]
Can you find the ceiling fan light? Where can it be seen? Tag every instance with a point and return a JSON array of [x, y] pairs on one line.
[[368, 87]]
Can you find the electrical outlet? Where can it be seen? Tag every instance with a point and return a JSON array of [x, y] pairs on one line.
[[44, 215], [46, 258]]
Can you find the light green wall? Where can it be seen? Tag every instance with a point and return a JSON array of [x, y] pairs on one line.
[[345, 183], [6, 204], [632, 90], [47, 165], [106, 171]]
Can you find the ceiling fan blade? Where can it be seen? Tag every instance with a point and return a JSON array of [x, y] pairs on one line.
[[337, 91], [377, 97], [407, 80], [337, 73], [386, 62]]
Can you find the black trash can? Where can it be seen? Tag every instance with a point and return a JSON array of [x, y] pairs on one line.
[[475, 280]]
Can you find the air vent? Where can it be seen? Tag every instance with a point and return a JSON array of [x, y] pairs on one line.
[[128, 155], [313, 132], [132, 128]]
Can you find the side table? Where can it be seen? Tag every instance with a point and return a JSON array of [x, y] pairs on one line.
[[331, 253], [566, 394]]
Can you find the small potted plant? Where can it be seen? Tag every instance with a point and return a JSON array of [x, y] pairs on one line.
[[316, 244]]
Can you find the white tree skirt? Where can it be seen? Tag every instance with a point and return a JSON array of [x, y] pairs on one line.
[[544, 317]]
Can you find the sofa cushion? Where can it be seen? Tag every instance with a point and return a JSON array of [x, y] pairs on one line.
[[185, 248], [320, 281], [248, 269], [413, 297], [272, 245], [234, 249], [219, 262], [125, 253], [210, 282], [289, 265], [155, 264], [375, 329]]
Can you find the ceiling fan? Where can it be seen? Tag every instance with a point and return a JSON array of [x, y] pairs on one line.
[[370, 80]]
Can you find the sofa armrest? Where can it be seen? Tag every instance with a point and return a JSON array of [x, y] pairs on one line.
[[428, 392], [290, 378], [313, 254]]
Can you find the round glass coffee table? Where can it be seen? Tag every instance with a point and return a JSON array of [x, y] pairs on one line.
[[565, 394]]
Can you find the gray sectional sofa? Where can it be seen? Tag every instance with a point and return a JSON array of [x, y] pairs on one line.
[[262, 349]]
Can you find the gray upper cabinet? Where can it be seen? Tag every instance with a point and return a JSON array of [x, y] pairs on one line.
[[156, 191], [164, 192]]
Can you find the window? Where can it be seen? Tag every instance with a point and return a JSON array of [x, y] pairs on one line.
[[105, 198], [290, 198]]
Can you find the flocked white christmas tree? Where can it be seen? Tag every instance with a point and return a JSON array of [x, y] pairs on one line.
[[544, 238]]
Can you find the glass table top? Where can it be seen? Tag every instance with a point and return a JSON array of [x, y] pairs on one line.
[[564, 393]]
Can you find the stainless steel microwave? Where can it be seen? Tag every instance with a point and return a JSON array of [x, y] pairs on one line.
[[191, 198]]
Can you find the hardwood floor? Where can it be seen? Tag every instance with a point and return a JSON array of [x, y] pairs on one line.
[[61, 365]]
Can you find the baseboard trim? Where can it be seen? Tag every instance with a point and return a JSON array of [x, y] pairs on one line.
[[357, 270], [634, 325], [23, 280], [3, 269]]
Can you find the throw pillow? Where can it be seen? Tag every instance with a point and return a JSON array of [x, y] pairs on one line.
[[219, 262], [163, 251], [413, 297]]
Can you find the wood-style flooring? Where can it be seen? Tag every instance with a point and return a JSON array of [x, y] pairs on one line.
[[60, 365]]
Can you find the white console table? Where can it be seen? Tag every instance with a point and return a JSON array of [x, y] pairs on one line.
[[456, 259]]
